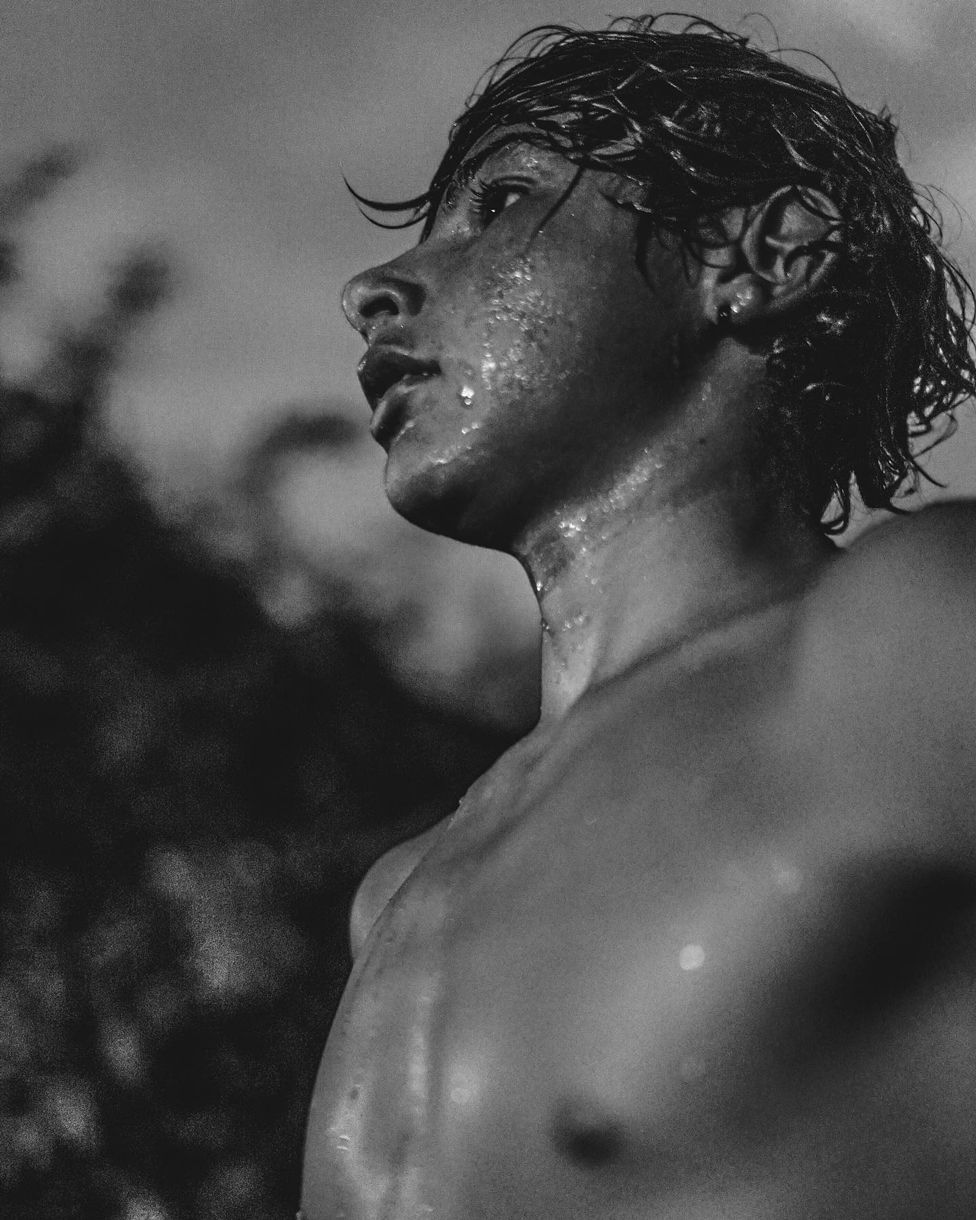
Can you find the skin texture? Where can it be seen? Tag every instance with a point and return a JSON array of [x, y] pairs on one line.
[[504, 314], [701, 944]]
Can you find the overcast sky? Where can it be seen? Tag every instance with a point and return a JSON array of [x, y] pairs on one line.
[[223, 126]]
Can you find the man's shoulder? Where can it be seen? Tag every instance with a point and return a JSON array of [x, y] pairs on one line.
[[901, 589], [382, 881], [885, 661], [939, 540]]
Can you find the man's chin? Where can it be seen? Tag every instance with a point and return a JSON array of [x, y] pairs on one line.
[[434, 501]]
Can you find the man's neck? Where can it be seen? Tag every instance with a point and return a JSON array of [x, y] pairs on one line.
[[644, 565]]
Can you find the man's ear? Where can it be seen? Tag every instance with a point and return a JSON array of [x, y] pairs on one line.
[[785, 250]]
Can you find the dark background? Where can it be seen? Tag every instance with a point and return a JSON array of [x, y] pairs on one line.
[[203, 744]]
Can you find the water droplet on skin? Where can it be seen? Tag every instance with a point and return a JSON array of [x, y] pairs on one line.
[[788, 878], [691, 957]]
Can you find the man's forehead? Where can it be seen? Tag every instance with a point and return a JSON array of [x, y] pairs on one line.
[[509, 139], [510, 134]]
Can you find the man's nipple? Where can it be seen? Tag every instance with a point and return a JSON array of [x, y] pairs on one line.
[[586, 1134]]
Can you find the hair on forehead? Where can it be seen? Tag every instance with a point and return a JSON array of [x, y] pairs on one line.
[[641, 99], [704, 120]]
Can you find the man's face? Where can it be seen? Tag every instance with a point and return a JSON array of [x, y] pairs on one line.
[[550, 344]]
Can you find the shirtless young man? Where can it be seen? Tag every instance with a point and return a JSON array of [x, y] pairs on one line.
[[703, 944]]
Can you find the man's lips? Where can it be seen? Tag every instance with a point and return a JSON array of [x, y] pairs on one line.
[[382, 367], [390, 413], [386, 374]]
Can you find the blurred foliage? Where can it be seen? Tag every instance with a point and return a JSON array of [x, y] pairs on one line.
[[190, 789]]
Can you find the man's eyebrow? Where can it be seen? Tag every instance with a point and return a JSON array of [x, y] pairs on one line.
[[470, 166]]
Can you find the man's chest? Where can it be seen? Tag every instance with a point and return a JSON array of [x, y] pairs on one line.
[[639, 975], [635, 974], [662, 1008]]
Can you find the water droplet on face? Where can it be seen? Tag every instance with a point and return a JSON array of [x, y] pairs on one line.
[[466, 395]]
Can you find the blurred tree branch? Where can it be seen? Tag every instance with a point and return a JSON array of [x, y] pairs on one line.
[[189, 791]]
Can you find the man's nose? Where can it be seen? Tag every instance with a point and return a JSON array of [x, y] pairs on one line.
[[380, 296]]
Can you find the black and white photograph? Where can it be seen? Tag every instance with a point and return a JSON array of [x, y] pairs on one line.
[[487, 610]]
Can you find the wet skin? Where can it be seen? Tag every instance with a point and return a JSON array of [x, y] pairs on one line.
[[549, 335], [702, 944]]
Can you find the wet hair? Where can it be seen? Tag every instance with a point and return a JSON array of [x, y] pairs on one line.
[[705, 121]]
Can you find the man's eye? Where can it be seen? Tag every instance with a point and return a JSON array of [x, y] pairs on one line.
[[490, 200]]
